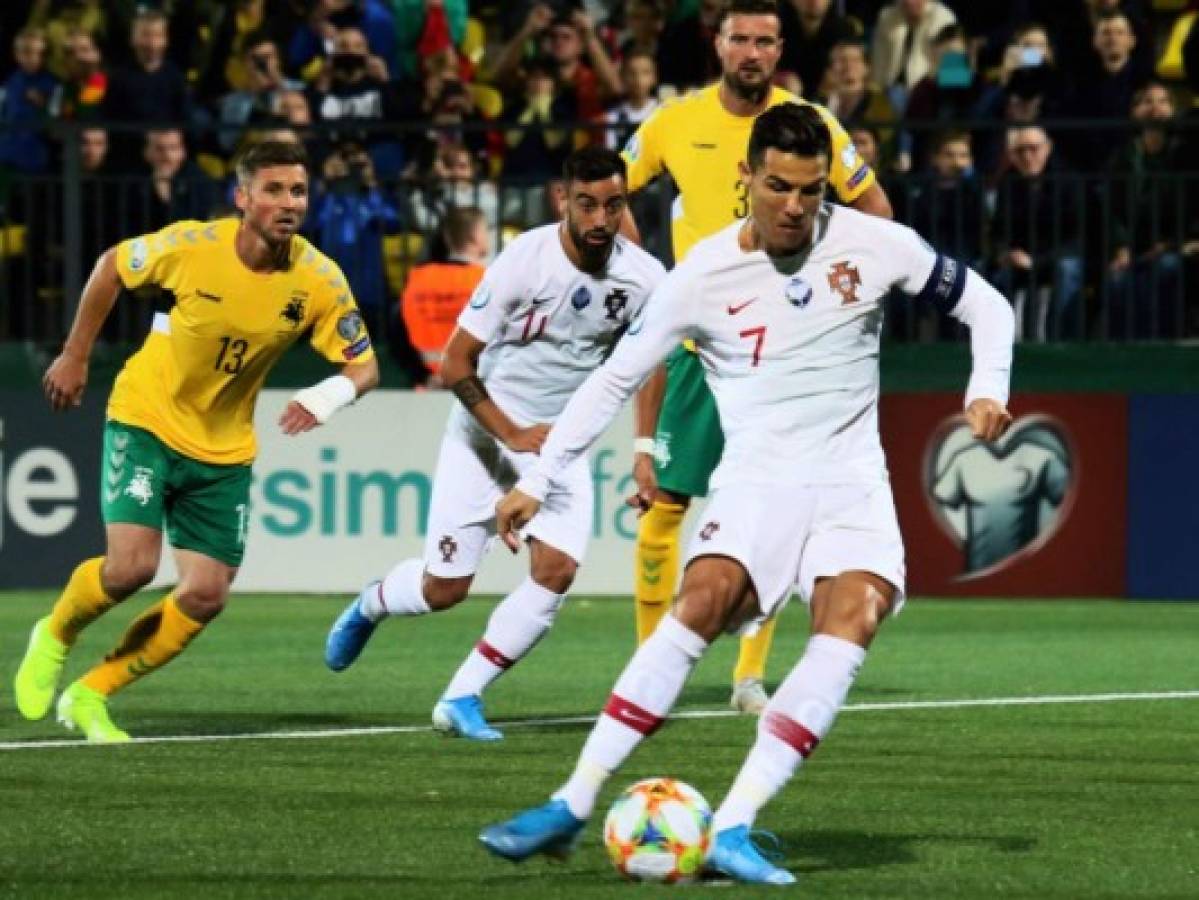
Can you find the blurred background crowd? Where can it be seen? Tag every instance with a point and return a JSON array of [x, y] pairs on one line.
[[1050, 145]]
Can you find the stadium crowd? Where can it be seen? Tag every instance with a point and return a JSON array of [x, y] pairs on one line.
[[1045, 144]]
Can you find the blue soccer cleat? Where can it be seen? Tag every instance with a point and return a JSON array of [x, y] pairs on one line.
[[551, 829], [463, 717], [349, 633], [734, 854]]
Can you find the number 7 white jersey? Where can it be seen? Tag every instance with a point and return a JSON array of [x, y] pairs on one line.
[[790, 348], [548, 325]]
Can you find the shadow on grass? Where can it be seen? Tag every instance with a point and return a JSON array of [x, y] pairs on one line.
[[819, 851]]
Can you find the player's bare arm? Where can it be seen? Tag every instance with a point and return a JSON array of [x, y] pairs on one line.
[[66, 377], [303, 413], [460, 371], [874, 201], [647, 405]]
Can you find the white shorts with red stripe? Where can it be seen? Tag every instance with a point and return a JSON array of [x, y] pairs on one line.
[[788, 536], [473, 473]]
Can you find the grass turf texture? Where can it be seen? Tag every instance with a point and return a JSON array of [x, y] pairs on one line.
[[1094, 799]]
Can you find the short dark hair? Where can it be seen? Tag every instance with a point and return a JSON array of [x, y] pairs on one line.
[[951, 32], [458, 226], [594, 164], [748, 8], [789, 128], [949, 136], [269, 153]]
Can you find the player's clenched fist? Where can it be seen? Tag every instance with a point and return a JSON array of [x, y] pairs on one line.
[[988, 419], [512, 513]]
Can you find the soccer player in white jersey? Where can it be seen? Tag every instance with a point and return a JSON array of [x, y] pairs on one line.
[[785, 308], [548, 312]]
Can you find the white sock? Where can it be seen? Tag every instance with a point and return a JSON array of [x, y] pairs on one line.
[[398, 594], [796, 719], [643, 696], [516, 625]]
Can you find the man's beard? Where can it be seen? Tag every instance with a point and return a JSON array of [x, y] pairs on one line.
[[592, 255], [753, 93]]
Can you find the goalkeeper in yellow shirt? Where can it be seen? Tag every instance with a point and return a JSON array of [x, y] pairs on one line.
[[179, 437], [700, 139]]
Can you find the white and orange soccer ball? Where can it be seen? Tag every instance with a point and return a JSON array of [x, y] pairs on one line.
[[659, 829]]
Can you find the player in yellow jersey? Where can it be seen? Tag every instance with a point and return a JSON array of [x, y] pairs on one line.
[[700, 139], [179, 438]]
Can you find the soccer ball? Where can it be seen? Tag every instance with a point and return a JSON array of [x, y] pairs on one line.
[[659, 829]]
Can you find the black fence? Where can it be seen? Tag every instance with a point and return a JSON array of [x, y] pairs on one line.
[[1104, 255]]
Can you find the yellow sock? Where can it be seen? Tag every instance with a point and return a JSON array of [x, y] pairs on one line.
[[657, 564], [155, 638], [82, 602], [751, 660]]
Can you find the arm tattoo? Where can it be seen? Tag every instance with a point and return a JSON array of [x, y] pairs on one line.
[[470, 391]]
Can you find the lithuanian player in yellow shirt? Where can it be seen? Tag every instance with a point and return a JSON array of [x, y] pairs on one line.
[[179, 437], [700, 139]]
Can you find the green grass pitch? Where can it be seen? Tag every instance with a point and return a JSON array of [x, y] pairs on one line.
[[1039, 800]]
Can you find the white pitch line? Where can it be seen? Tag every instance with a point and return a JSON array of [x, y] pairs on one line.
[[1045, 700]]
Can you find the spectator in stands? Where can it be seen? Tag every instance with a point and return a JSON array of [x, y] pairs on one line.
[[853, 97], [811, 29], [349, 217], [949, 92], [1072, 24], [179, 189], [26, 102], [902, 51], [372, 19], [639, 74], [453, 182], [1037, 238], [58, 21], [946, 205], [260, 100], [424, 27], [353, 88], [1106, 92], [565, 39], [536, 150], [644, 21], [1147, 228], [688, 58], [81, 95], [152, 89], [437, 291]]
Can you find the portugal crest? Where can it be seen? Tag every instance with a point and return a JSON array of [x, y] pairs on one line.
[[843, 278]]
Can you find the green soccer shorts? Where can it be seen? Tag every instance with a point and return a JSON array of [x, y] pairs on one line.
[[689, 439], [206, 507]]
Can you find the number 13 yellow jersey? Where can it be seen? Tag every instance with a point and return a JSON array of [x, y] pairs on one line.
[[700, 143], [195, 380]]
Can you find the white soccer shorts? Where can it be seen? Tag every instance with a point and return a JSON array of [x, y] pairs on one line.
[[471, 476], [788, 536]]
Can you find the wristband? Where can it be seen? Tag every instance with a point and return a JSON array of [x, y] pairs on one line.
[[645, 445], [327, 397]]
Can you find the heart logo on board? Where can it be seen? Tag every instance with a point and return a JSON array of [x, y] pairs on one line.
[[1002, 501]]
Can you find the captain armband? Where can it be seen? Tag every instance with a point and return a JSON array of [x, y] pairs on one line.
[[327, 397], [470, 391], [945, 284]]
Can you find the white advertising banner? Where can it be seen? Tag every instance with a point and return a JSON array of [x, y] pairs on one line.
[[339, 506]]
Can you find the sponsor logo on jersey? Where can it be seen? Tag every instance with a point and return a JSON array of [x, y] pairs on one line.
[[734, 308], [293, 312], [708, 531], [357, 348], [447, 547], [1003, 501], [138, 251], [615, 303], [858, 177], [581, 298], [481, 297], [843, 278], [349, 326], [798, 292]]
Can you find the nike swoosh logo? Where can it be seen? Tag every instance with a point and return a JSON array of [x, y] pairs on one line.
[[635, 720], [537, 301], [734, 309]]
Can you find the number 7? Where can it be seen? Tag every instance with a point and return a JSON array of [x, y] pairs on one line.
[[759, 336]]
